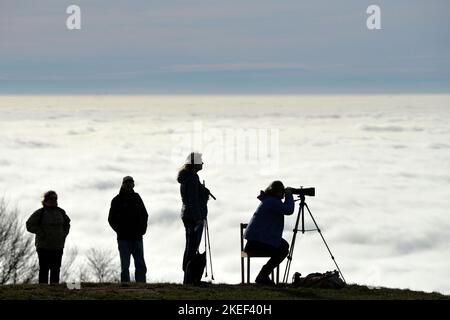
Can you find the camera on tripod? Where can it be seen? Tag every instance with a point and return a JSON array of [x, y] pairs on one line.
[[310, 192], [302, 192]]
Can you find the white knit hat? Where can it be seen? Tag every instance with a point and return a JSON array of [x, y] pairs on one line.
[[194, 158]]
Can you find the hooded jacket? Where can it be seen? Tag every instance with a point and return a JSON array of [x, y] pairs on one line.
[[51, 226], [128, 216], [193, 195], [267, 223]]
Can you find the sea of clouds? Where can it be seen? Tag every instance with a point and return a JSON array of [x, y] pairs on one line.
[[380, 165]]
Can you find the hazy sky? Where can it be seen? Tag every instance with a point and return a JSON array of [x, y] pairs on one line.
[[232, 46]]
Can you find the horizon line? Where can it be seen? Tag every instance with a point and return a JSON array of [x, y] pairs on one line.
[[399, 93]]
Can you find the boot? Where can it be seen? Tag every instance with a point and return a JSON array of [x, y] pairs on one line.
[[263, 277], [187, 279]]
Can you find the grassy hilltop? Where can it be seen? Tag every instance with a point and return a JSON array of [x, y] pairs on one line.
[[109, 291]]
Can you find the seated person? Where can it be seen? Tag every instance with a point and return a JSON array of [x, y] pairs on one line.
[[265, 229]]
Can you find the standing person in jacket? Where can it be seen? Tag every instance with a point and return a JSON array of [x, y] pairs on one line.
[[194, 211], [51, 226], [128, 218], [265, 229]]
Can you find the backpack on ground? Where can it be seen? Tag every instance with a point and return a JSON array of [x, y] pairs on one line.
[[327, 280], [195, 268]]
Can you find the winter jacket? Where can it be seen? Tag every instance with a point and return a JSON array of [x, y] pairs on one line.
[[193, 195], [128, 216], [51, 226], [267, 223]]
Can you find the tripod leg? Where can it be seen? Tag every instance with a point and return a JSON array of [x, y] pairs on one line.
[[248, 269], [291, 248], [209, 248], [206, 265], [242, 271], [278, 275], [288, 262], [326, 245]]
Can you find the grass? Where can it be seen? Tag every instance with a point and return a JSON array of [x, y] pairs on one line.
[[168, 291]]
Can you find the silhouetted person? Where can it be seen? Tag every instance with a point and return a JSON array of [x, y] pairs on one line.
[[128, 218], [51, 226], [265, 229], [194, 209]]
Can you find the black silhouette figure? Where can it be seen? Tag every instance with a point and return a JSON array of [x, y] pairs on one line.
[[194, 211], [128, 217], [51, 226]]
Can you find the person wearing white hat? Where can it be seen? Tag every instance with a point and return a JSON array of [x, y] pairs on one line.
[[194, 211]]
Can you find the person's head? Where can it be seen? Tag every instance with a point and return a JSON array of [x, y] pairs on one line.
[[194, 162], [275, 189], [128, 184], [50, 199]]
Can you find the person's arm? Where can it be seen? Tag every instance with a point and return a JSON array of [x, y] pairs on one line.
[[287, 207], [66, 223], [192, 198], [289, 204], [144, 215], [205, 191], [113, 216], [203, 199], [34, 222]]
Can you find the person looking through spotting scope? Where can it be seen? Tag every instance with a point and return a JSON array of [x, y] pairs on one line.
[[194, 211], [265, 229]]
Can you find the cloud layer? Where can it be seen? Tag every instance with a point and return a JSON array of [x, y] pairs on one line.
[[380, 165]]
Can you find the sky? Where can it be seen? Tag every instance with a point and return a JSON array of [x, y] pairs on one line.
[[208, 47]]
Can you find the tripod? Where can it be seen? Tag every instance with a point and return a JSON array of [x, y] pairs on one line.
[[207, 241], [301, 214], [208, 248]]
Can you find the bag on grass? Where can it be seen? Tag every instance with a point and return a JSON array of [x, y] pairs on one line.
[[195, 268], [327, 280]]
